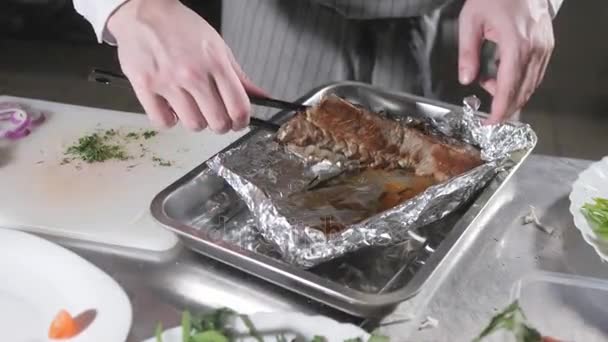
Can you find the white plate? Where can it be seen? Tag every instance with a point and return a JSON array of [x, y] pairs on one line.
[[39, 278], [591, 183], [291, 324]]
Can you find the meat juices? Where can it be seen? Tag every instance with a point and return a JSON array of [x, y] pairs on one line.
[[336, 129]]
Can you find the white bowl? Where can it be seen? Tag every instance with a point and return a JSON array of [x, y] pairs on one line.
[[591, 183]]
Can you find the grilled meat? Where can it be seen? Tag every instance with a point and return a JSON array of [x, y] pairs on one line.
[[336, 129]]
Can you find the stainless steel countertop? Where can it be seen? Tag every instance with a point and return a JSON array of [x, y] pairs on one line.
[[501, 249], [473, 284]]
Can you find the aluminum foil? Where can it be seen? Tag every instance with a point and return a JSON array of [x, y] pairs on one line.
[[266, 176]]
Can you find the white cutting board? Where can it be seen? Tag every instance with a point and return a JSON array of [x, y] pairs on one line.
[[105, 202]]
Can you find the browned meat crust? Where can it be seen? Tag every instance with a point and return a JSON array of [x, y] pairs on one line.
[[336, 128]]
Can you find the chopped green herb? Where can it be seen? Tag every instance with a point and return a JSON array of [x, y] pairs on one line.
[[144, 150], [596, 214], [132, 135], [161, 162], [94, 148], [110, 133], [149, 134], [318, 339]]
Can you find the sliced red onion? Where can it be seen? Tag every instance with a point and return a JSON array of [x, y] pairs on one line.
[[37, 117], [16, 120], [17, 126], [17, 134], [6, 114], [10, 105]]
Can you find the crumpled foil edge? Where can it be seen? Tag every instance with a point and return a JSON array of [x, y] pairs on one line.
[[306, 247]]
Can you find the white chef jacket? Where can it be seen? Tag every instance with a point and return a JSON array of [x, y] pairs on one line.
[[290, 47]]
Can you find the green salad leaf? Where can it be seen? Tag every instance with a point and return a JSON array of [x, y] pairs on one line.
[[596, 214], [186, 326], [252, 330], [281, 338], [512, 319], [214, 327], [209, 336], [159, 332], [378, 338]]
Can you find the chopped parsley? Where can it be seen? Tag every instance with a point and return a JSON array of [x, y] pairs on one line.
[[111, 144], [96, 148], [161, 162], [149, 134], [110, 133]]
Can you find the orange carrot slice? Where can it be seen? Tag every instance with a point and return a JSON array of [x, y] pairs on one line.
[[63, 326]]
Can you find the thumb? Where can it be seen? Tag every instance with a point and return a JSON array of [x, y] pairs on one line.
[[470, 35], [250, 87]]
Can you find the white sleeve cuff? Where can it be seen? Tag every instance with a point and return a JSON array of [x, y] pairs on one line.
[[554, 6], [97, 12]]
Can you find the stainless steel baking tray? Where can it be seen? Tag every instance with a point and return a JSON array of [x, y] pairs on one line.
[[206, 212]]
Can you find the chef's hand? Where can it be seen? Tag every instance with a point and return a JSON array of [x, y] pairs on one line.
[[179, 67], [523, 31]]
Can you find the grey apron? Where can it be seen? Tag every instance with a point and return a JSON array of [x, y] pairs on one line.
[[289, 47]]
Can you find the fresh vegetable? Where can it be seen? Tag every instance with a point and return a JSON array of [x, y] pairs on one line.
[[63, 326], [209, 336], [17, 121], [513, 319], [214, 327], [158, 332], [596, 214], [378, 338], [186, 326]]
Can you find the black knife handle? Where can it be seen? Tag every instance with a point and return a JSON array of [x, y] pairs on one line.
[[488, 61], [274, 103]]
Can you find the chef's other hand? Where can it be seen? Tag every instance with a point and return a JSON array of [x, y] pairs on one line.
[[523, 31], [180, 67]]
